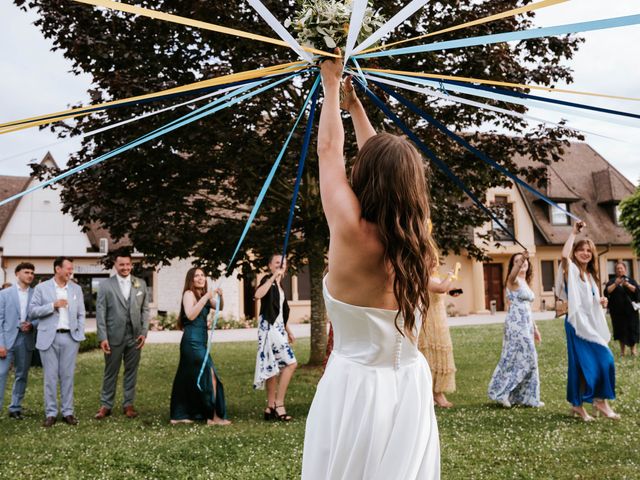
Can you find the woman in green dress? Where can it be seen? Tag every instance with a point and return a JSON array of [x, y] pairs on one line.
[[189, 401]]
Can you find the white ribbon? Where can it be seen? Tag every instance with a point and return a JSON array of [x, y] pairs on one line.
[[464, 101], [396, 20], [355, 24], [277, 27]]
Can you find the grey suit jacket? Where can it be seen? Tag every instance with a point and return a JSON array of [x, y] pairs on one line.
[[41, 308], [10, 317], [113, 311]]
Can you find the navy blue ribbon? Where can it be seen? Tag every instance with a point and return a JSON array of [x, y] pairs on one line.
[[303, 156], [461, 141], [439, 163]]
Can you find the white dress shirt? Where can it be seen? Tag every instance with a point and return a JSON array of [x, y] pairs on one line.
[[125, 286], [63, 321], [23, 296]]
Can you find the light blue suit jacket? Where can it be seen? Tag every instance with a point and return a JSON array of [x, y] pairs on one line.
[[41, 307], [10, 317]]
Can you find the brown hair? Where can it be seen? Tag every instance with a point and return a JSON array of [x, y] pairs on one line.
[[190, 287], [592, 266], [389, 179], [529, 273]]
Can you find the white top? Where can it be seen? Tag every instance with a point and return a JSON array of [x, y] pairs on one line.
[[585, 312], [23, 296], [125, 286], [63, 320]]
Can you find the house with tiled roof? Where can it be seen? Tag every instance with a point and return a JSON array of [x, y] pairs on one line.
[[584, 184]]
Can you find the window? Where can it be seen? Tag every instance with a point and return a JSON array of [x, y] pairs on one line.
[[616, 214], [505, 215], [558, 217], [548, 273]]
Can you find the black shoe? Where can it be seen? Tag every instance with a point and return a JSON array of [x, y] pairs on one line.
[[16, 415], [70, 419], [269, 414], [49, 422]]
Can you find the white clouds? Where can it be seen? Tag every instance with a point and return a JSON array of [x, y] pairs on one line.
[[35, 80]]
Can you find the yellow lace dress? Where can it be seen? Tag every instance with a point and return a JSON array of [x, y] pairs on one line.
[[435, 344]]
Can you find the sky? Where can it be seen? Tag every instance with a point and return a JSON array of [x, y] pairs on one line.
[[34, 80]]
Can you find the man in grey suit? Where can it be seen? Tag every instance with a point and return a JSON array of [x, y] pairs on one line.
[[16, 336], [122, 317], [58, 304]]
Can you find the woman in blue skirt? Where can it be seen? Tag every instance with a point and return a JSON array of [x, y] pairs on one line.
[[591, 374]]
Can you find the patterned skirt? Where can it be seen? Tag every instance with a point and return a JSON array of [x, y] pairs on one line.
[[274, 351]]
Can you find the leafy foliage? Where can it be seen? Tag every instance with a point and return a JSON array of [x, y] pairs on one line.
[[630, 218], [188, 194]]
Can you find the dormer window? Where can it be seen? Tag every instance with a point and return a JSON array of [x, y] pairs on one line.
[[558, 217], [616, 213]]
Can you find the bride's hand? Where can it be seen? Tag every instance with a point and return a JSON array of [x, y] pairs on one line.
[[331, 70]]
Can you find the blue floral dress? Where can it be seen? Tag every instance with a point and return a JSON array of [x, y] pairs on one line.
[[274, 351], [515, 379]]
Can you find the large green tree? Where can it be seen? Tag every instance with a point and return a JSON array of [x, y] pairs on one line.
[[187, 195], [630, 218]]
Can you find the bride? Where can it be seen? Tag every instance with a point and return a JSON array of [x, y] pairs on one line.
[[372, 416]]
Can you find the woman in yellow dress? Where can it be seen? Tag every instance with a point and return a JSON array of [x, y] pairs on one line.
[[435, 341]]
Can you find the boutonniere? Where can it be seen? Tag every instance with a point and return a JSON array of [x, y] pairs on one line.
[[135, 283]]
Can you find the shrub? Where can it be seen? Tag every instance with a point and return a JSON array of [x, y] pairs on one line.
[[90, 342]]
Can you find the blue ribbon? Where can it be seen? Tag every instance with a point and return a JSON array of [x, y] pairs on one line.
[[501, 94], [511, 36], [439, 163], [254, 211], [229, 99], [461, 141], [303, 156]]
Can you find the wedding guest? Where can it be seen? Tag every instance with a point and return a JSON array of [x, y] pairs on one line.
[[434, 341], [275, 360], [516, 380], [591, 373], [196, 397], [58, 305], [16, 336], [624, 296], [122, 318], [372, 415]]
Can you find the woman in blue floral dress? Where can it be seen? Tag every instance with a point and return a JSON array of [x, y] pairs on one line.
[[515, 379], [275, 360]]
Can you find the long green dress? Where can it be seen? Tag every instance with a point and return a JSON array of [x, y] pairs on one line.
[[187, 400]]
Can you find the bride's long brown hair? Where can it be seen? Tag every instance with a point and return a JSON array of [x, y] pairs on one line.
[[389, 179]]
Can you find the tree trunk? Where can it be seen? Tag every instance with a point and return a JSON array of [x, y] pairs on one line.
[[318, 317]]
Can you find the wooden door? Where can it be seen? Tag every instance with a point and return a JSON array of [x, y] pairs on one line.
[[493, 289]]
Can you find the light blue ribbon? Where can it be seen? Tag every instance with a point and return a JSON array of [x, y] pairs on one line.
[[252, 216], [219, 104], [511, 36], [269, 179]]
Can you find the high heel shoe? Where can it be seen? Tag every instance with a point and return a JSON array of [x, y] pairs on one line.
[[606, 413], [269, 414], [284, 417], [582, 414]]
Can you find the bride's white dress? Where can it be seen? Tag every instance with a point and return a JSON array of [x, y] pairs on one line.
[[372, 416]]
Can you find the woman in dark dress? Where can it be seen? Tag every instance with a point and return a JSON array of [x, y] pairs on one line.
[[622, 293], [190, 401]]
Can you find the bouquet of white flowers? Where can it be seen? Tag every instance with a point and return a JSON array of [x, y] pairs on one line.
[[324, 24]]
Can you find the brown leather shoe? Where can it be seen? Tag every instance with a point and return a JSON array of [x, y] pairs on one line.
[[49, 422], [103, 412], [130, 412], [70, 419]]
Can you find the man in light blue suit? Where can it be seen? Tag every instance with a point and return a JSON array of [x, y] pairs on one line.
[[16, 336], [58, 304]]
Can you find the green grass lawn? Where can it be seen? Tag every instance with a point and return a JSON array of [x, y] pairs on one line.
[[478, 439]]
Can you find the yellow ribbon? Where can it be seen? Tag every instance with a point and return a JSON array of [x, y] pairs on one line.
[[155, 14], [495, 82], [480, 21], [234, 77]]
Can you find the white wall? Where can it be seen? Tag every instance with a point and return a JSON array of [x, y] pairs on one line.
[[170, 282]]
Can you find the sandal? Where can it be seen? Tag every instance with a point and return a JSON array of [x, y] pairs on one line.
[[269, 414], [284, 417]]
